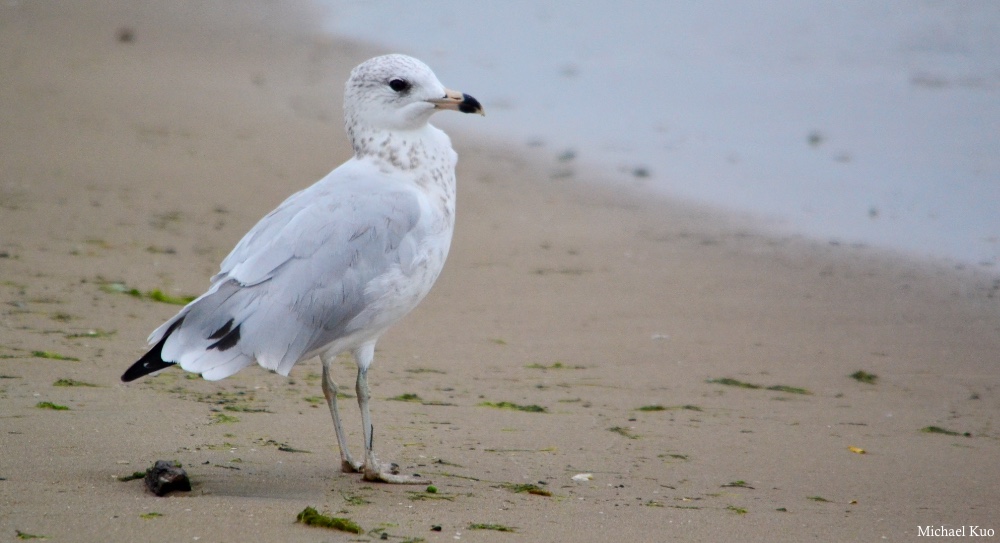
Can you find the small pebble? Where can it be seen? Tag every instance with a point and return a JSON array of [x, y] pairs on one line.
[[164, 477]]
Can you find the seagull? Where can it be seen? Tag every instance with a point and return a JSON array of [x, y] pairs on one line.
[[338, 263]]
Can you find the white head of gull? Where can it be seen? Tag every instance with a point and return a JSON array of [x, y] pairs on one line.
[[338, 263]]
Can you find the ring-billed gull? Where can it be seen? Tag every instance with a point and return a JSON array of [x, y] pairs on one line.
[[336, 264]]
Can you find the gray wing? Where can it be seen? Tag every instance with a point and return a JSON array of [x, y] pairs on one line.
[[297, 279]]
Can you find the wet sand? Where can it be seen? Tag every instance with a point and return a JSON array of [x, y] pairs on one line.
[[141, 140]]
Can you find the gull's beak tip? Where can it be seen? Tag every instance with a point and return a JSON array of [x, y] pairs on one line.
[[458, 101], [471, 105]]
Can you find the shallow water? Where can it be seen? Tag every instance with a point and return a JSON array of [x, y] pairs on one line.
[[852, 121]]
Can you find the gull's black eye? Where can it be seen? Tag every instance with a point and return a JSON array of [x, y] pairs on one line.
[[399, 85]]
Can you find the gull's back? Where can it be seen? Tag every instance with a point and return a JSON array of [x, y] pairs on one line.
[[333, 266]]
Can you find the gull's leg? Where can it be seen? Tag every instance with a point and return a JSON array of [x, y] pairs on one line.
[[347, 464], [373, 470]]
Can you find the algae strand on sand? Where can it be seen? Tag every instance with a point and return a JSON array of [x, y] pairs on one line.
[[311, 517]]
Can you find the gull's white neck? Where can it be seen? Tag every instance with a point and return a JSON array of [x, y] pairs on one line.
[[423, 154], [403, 150]]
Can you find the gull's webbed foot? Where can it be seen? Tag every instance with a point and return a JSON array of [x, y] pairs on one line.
[[384, 476], [376, 472]]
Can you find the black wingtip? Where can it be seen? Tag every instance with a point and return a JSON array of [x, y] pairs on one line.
[[151, 361], [144, 366]]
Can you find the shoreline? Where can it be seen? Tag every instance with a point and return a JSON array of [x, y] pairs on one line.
[[141, 164], [830, 141]]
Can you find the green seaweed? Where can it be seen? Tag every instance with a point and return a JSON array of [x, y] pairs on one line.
[[53, 356], [563, 271], [155, 295], [820, 499], [50, 405], [25, 535], [490, 526], [671, 408], [737, 510], [408, 397], [515, 407], [284, 447], [355, 500], [158, 295], [418, 496], [623, 432], [674, 456], [151, 514], [943, 431], [862, 376], [135, 475], [790, 390], [72, 383], [230, 401], [97, 333], [240, 408], [224, 446], [732, 383], [517, 488], [554, 366], [156, 250], [119, 288], [222, 418], [311, 517], [425, 370], [737, 484], [742, 384]]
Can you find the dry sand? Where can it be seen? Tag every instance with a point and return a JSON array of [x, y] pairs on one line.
[[141, 161]]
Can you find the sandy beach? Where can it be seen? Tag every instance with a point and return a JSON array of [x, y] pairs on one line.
[[698, 371]]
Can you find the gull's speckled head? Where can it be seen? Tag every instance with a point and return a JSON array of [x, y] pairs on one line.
[[397, 92]]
